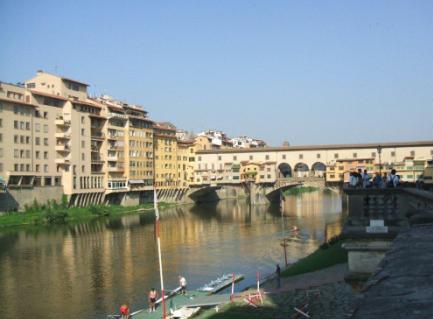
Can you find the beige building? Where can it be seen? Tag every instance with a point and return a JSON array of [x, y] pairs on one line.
[[304, 161], [58, 136]]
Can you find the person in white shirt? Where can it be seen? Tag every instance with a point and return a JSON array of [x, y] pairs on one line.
[[365, 179], [182, 282], [393, 179]]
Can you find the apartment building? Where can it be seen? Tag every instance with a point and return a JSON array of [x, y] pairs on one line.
[[185, 162], [56, 135], [166, 169], [129, 151]]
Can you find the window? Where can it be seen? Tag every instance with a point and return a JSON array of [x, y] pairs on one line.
[[45, 128], [1, 137], [373, 154], [45, 168], [336, 155], [16, 126], [219, 158], [38, 141], [82, 168], [22, 139], [16, 167], [267, 157], [251, 157], [28, 126], [82, 132], [27, 167], [37, 127], [355, 155], [45, 155], [284, 156], [1, 152], [1, 122], [45, 115], [47, 181], [412, 153], [393, 154], [83, 144], [1, 167], [235, 158], [301, 156], [27, 153], [45, 141], [16, 139], [318, 155], [82, 120], [37, 167], [82, 157], [16, 153]]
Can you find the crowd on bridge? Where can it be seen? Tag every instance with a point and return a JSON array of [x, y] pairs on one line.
[[361, 179]]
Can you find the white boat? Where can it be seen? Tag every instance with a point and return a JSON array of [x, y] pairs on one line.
[[220, 283]]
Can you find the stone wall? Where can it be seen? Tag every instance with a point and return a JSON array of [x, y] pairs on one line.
[[16, 199]]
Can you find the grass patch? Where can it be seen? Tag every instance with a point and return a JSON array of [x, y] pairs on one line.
[[327, 255], [300, 190], [58, 213]]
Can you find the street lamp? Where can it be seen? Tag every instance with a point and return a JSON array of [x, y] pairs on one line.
[[379, 151]]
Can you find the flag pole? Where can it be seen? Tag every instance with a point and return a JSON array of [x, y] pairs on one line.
[[158, 240]]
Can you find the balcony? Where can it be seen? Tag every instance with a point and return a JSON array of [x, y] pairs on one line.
[[97, 135], [62, 122], [97, 160], [115, 137], [117, 115], [116, 169], [63, 135], [115, 147], [62, 148], [63, 161]]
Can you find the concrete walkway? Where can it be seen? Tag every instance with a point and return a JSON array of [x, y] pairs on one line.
[[308, 280]]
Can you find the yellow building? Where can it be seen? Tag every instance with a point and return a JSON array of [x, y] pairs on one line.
[[185, 162], [166, 170]]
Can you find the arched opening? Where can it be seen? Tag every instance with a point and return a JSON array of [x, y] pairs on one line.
[[319, 169], [285, 170], [301, 170]]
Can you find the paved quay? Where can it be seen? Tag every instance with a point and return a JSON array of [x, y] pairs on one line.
[[402, 286]]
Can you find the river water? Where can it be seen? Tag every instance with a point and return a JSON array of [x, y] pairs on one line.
[[86, 271]]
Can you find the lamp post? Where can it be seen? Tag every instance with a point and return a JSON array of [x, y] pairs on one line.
[[379, 151]]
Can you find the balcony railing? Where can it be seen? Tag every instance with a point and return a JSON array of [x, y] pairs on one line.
[[62, 122], [63, 135], [97, 135], [62, 148]]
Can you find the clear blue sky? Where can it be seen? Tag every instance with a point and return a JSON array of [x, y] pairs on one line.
[[310, 72]]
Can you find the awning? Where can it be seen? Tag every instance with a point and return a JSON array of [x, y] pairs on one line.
[[136, 181]]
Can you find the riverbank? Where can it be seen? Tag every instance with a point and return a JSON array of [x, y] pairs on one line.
[[53, 213], [317, 279], [325, 292]]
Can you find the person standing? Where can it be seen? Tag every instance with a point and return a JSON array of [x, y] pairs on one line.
[[152, 299], [182, 283], [377, 181], [393, 179], [365, 179], [124, 311], [278, 275]]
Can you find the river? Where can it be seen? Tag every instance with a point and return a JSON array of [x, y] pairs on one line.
[[87, 270]]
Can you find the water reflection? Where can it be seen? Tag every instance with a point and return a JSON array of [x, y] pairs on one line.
[[87, 270]]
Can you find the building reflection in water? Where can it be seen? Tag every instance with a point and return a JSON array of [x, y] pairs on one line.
[[87, 270]]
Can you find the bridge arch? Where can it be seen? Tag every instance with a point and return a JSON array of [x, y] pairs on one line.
[[301, 170], [285, 170], [318, 169]]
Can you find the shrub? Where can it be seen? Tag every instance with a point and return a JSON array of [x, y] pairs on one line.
[[55, 216]]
